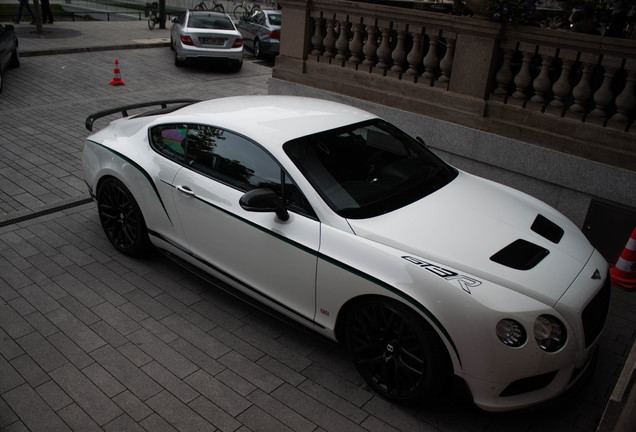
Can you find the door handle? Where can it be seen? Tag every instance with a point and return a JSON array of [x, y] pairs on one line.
[[185, 190]]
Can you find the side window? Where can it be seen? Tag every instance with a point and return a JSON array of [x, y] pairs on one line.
[[169, 140], [231, 159]]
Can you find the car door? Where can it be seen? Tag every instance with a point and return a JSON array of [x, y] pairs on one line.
[[271, 258]]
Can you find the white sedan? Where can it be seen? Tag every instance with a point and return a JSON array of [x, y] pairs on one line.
[[341, 221]]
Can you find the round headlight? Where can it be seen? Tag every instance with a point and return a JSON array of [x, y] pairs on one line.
[[511, 333], [549, 333]]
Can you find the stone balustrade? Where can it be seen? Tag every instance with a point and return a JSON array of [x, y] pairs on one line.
[[571, 92]]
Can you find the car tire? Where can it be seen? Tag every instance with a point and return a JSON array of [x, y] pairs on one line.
[[15, 59], [0, 79], [258, 50], [177, 62], [397, 352], [121, 218], [235, 66]]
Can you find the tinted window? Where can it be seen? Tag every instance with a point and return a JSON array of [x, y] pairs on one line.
[[368, 169], [231, 159], [169, 140]]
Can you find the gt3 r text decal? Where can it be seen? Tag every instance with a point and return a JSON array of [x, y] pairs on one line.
[[465, 282]]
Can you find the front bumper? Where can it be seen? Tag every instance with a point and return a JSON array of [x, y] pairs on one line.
[[527, 375]]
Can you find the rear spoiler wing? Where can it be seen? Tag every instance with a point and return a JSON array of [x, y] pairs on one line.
[[124, 109]]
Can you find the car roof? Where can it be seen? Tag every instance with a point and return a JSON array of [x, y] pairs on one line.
[[271, 120]]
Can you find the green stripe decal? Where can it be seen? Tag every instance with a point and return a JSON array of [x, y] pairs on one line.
[[345, 267], [142, 171]]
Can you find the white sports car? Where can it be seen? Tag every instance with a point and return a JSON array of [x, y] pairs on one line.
[[339, 220]]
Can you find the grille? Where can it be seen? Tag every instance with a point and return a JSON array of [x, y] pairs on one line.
[[595, 313]]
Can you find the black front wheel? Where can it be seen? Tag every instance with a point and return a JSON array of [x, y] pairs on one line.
[[121, 218], [397, 353]]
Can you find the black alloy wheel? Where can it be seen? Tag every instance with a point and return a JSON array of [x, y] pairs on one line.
[[397, 353], [121, 218]]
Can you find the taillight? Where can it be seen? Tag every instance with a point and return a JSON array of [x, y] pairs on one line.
[[238, 42], [186, 40], [274, 34]]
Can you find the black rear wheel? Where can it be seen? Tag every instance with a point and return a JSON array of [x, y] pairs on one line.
[[121, 218], [397, 353]]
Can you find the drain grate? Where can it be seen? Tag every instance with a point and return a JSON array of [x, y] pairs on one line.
[[44, 212]]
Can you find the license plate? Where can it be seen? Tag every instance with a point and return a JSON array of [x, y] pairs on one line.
[[213, 41]]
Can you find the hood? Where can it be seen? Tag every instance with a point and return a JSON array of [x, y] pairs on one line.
[[489, 231]]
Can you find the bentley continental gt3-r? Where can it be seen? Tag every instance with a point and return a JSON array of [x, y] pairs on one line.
[[341, 221]]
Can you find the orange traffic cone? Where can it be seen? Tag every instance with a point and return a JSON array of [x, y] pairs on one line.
[[624, 274], [117, 79]]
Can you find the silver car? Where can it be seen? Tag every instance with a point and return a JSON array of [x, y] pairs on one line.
[[206, 35], [261, 31]]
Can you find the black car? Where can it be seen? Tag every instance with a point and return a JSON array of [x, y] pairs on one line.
[[261, 32], [8, 50]]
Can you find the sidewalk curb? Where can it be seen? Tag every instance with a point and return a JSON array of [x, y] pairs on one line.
[[39, 52]]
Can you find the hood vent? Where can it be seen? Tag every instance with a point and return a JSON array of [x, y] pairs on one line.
[[547, 229], [520, 255]]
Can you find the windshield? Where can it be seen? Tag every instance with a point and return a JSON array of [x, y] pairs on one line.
[[210, 21], [274, 19], [368, 169]]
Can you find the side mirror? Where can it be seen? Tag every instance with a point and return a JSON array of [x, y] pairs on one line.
[[264, 200]]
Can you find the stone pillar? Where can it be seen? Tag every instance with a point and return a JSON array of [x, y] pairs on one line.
[[294, 48], [475, 55]]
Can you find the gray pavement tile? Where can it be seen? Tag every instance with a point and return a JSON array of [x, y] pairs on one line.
[[21, 306], [234, 381], [197, 337], [8, 348], [215, 415], [282, 412], [134, 354], [7, 416], [170, 382], [313, 410], [116, 318], [256, 419], [123, 423], [75, 329], [218, 393], [41, 324], [9, 377], [104, 380], [196, 356], [163, 353], [53, 395], [251, 372], [156, 424], [36, 296], [43, 352], [140, 384], [135, 408], [13, 323], [33, 411], [29, 370], [70, 350], [178, 414], [159, 330], [148, 304], [109, 334], [78, 420]]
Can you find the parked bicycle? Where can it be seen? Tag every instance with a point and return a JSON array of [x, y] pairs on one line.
[[244, 10], [152, 12], [218, 7]]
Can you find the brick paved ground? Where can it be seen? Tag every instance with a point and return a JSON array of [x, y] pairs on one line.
[[93, 340]]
